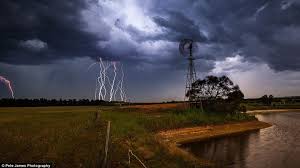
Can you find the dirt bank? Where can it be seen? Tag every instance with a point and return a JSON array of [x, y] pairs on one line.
[[171, 139], [186, 135], [272, 111]]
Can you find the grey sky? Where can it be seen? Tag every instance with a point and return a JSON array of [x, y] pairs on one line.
[[46, 46]]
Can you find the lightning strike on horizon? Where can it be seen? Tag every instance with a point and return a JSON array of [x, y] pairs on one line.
[[119, 86], [104, 81], [122, 91], [96, 89], [104, 77], [100, 80], [8, 84], [113, 82], [116, 90]]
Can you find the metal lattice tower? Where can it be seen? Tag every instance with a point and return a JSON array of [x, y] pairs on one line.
[[186, 49]]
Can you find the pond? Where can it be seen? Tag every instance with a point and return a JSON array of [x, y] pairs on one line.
[[275, 147]]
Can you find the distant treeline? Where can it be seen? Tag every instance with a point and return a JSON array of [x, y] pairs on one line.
[[275, 99], [270, 100], [66, 102], [52, 102], [86, 102]]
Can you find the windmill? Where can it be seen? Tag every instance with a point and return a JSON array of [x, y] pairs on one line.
[[186, 47]]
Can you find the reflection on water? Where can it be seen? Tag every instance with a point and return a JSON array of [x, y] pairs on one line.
[[275, 147]]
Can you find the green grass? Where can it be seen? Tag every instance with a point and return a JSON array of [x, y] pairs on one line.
[[137, 129], [188, 118], [73, 137]]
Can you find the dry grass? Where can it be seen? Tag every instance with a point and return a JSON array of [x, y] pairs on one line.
[[157, 106], [71, 137], [66, 136], [154, 109]]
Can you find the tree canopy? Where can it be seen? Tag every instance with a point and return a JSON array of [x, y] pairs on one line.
[[218, 94], [213, 87], [267, 100]]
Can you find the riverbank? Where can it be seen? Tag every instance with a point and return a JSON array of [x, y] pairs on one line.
[[172, 139], [186, 135], [272, 111]]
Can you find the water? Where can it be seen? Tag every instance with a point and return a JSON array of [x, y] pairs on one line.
[[277, 146]]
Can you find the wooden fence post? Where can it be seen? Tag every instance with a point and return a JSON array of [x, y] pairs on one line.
[[106, 145]]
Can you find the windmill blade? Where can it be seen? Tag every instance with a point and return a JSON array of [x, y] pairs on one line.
[[185, 46]]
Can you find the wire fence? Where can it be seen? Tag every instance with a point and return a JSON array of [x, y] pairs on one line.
[[106, 155], [130, 153]]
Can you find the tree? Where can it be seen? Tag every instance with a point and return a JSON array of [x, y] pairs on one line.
[[217, 93], [267, 100], [271, 99], [213, 87]]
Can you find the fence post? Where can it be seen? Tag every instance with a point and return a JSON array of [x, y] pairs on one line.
[[106, 145], [129, 156]]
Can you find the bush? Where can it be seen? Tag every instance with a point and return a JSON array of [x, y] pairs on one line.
[[224, 106], [190, 117]]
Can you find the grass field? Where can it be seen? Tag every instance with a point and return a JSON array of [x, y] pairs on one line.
[[74, 137], [65, 136]]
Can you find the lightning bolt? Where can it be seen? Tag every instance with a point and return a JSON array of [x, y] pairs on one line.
[[103, 76], [123, 94], [120, 86], [97, 79], [96, 90], [8, 84], [117, 89], [100, 80], [113, 82], [109, 79]]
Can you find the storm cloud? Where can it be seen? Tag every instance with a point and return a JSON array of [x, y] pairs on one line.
[[34, 32], [144, 35]]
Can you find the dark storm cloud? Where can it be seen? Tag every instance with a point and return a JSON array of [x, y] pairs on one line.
[[54, 40], [260, 30], [40, 31], [178, 26], [34, 32]]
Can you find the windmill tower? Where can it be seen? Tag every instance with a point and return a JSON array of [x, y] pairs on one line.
[[186, 47]]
